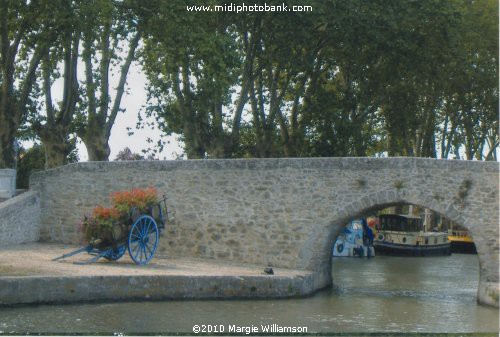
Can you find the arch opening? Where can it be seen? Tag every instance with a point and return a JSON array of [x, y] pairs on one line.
[[413, 281], [444, 219]]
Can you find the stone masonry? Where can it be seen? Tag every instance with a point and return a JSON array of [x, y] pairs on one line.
[[20, 219], [279, 212]]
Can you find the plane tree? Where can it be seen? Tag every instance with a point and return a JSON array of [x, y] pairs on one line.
[[55, 126], [198, 80], [27, 29], [470, 103], [109, 40]]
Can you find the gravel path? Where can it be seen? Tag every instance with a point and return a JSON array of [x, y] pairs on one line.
[[35, 259]]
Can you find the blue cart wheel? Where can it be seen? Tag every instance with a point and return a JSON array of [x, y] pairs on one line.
[[114, 254], [143, 239]]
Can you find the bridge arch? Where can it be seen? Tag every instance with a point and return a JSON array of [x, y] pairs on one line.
[[320, 243]]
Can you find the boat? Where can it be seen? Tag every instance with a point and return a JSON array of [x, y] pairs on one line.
[[404, 235], [461, 242], [354, 240]]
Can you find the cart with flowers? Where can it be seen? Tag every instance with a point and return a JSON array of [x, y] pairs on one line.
[[133, 224]]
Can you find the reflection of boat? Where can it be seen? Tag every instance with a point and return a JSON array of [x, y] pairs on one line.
[[461, 242], [404, 235], [354, 240]]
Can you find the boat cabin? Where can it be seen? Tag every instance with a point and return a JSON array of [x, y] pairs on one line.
[[400, 223], [405, 235]]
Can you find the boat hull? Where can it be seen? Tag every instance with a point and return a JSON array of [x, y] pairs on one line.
[[394, 249], [346, 249], [354, 241], [463, 247]]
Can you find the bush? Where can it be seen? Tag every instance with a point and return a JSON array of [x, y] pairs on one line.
[[28, 161]]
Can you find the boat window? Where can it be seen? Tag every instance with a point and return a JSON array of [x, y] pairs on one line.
[[385, 223], [426, 241], [392, 223], [435, 240], [412, 225]]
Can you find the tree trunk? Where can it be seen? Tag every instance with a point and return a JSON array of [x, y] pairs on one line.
[[55, 152], [97, 148], [194, 148], [7, 153], [96, 142]]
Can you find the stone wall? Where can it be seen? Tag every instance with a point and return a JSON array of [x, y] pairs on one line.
[[279, 212], [20, 219]]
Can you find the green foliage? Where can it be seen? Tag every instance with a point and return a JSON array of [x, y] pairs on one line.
[[350, 78], [470, 112], [29, 161], [192, 65], [28, 28], [34, 159]]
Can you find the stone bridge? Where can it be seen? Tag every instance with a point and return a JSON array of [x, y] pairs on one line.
[[280, 212]]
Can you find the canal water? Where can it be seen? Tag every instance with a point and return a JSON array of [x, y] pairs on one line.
[[382, 294]]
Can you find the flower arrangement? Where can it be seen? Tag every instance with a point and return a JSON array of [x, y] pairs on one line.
[[140, 199], [106, 223]]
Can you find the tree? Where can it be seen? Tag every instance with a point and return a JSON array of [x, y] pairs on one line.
[[285, 66], [55, 126], [29, 160], [470, 111], [341, 113], [194, 68], [353, 78], [205, 70], [33, 159], [109, 25], [127, 155], [412, 51], [27, 28]]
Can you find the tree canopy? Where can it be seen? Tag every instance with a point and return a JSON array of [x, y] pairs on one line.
[[349, 78]]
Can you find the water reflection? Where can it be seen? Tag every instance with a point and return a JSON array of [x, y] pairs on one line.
[[436, 294]]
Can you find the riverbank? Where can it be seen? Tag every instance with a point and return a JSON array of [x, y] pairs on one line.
[[28, 276]]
